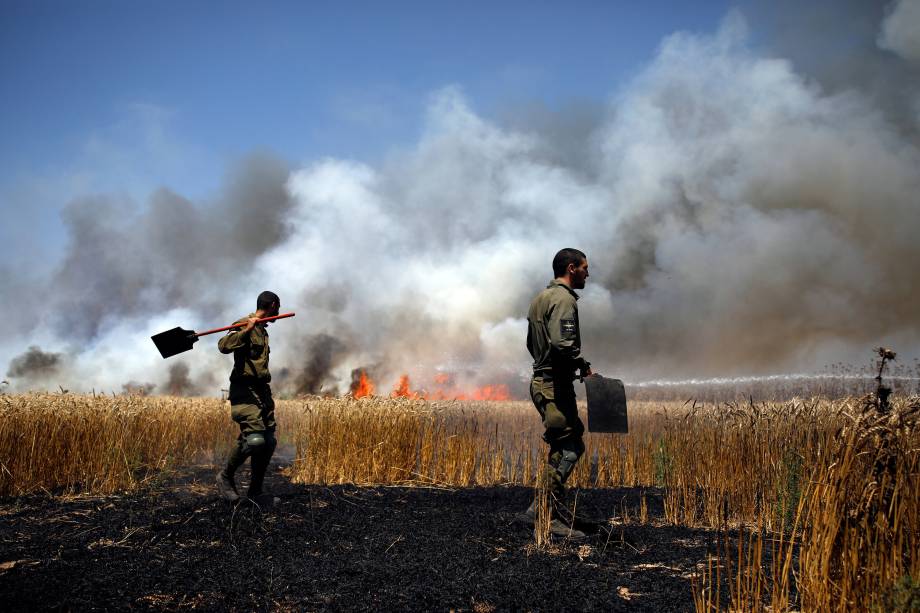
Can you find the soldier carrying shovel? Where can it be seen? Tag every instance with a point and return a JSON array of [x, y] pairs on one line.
[[554, 341], [251, 403]]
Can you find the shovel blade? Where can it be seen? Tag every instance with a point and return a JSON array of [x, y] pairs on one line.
[[174, 341], [606, 405]]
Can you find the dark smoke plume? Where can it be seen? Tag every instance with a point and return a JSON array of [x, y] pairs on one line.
[[123, 263], [180, 384], [323, 353], [133, 388], [34, 364]]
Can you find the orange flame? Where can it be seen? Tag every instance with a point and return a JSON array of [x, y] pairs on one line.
[[403, 389], [487, 393], [447, 391], [363, 387], [493, 393]]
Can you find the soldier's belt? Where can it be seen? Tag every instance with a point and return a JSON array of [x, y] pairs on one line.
[[249, 380], [549, 374]]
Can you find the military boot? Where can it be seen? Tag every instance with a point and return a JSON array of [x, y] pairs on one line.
[[564, 522], [557, 527], [528, 517], [572, 513], [264, 501], [260, 462], [226, 487], [256, 493]]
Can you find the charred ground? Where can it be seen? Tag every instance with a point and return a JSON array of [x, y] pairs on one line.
[[176, 546]]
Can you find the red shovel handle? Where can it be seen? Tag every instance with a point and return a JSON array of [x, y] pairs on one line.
[[244, 324]]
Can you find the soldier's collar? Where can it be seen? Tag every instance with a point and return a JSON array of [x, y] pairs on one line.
[[558, 283]]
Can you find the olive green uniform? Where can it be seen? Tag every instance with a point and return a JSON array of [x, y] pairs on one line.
[[554, 342], [250, 395], [251, 403]]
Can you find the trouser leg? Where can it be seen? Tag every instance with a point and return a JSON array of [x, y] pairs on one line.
[[561, 462], [253, 408], [568, 455], [247, 416], [551, 474], [251, 444], [247, 446], [260, 461], [237, 457], [555, 402]]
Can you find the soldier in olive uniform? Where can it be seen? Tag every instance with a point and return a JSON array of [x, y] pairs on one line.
[[251, 403], [554, 341]]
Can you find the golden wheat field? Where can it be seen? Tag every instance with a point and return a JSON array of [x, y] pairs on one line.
[[825, 494]]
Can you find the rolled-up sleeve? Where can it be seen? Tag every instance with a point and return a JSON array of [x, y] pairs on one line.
[[563, 331], [233, 340]]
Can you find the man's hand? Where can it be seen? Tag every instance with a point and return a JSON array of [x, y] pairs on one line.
[[250, 324]]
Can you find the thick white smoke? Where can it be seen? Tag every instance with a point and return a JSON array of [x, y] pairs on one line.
[[900, 31], [737, 220]]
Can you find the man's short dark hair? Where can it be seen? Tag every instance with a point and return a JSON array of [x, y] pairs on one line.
[[266, 300], [564, 258]]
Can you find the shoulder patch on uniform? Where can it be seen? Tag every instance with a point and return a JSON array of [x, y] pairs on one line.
[[568, 327]]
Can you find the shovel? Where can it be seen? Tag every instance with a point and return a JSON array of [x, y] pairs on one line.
[[178, 340], [606, 405]]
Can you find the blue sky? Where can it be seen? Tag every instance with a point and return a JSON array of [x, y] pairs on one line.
[[124, 97]]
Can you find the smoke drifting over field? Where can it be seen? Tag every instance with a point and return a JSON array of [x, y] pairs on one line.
[[123, 263], [739, 217], [34, 363], [322, 353], [179, 382]]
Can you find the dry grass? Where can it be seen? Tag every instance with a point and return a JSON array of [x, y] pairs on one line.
[[83, 443], [818, 501], [845, 535], [413, 442]]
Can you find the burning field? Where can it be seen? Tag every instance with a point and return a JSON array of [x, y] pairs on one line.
[[747, 200], [443, 388], [398, 502]]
